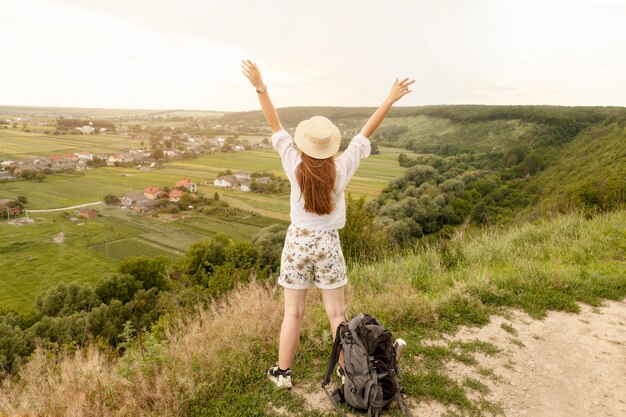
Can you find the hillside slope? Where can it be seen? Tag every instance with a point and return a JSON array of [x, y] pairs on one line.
[[589, 171], [214, 362]]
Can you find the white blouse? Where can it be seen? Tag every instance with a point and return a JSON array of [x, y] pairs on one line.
[[346, 165]]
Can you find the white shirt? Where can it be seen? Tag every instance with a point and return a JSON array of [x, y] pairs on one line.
[[346, 165]]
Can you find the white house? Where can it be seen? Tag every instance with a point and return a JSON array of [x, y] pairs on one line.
[[85, 156], [226, 181], [131, 198], [238, 148], [86, 129]]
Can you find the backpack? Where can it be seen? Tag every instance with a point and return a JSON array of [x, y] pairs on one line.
[[370, 368]]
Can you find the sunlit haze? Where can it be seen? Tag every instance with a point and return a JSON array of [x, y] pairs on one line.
[[186, 54]]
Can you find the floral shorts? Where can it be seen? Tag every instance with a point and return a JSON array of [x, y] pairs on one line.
[[312, 252]]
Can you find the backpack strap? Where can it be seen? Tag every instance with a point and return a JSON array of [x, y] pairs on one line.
[[401, 404], [333, 399], [334, 357]]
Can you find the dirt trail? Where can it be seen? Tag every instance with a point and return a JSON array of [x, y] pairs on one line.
[[569, 365], [565, 365]]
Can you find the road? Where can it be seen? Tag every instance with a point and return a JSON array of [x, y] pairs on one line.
[[66, 208]]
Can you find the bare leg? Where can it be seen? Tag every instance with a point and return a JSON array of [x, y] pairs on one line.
[[335, 306], [295, 302]]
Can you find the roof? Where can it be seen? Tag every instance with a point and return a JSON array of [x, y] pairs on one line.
[[148, 203], [176, 193], [138, 195], [87, 211], [229, 178], [184, 181], [151, 190]]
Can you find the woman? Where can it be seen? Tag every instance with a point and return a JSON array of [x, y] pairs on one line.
[[318, 181]]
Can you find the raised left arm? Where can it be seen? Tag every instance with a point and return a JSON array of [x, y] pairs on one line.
[[252, 73]]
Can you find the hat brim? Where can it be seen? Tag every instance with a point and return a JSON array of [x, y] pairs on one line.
[[313, 150]]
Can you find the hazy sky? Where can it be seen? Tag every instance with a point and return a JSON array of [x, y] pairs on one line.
[[187, 53]]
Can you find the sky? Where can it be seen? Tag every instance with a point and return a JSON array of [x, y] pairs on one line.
[[186, 54]]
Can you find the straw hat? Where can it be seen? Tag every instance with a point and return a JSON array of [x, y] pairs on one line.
[[318, 137]]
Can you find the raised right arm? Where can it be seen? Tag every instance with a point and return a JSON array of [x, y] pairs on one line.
[[253, 73], [398, 90]]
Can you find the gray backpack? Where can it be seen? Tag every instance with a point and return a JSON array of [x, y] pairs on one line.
[[370, 368]]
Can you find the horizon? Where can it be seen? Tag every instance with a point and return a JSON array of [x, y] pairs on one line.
[[141, 55], [289, 107]]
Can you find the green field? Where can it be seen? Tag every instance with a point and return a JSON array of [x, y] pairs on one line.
[[16, 144], [32, 261], [62, 190], [96, 247]]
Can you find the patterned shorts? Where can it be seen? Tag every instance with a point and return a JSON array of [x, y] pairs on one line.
[[312, 252]]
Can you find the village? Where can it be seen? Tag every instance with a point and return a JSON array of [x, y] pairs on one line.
[[11, 169]]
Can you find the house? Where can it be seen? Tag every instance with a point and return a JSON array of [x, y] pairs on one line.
[[116, 157], [86, 129], [131, 198], [175, 195], [153, 193], [7, 163], [226, 181], [6, 175], [5, 206], [171, 154], [19, 169], [69, 156], [245, 187], [264, 180], [242, 175], [85, 156], [55, 159], [238, 148], [144, 206], [190, 185], [88, 213]]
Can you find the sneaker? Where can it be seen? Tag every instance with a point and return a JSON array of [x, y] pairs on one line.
[[282, 379], [341, 374], [399, 346]]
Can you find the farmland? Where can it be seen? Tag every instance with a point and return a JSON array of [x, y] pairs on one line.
[[92, 248]]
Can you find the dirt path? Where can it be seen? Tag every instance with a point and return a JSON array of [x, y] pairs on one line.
[[65, 208], [566, 365]]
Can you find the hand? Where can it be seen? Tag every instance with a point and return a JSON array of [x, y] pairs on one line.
[[399, 90], [252, 72]]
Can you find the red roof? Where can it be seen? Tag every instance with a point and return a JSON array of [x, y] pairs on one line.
[[151, 190], [176, 193], [56, 157], [184, 182]]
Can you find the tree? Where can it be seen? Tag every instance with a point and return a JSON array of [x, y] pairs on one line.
[[150, 272], [269, 242], [22, 199], [111, 199]]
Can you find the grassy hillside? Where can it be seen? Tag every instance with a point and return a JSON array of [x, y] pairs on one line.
[[589, 171], [213, 362]]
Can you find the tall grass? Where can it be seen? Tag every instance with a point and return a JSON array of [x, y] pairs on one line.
[[214, 362]]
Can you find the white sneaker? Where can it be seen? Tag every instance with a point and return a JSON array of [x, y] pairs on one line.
[[341, 374], [399, 345], [282, 379]]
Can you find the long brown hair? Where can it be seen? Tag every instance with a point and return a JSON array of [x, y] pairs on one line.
[[316, 178]]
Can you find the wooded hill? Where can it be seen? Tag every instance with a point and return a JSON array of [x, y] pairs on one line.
[[493, 163]]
